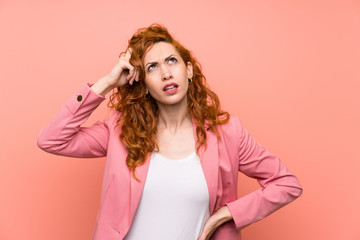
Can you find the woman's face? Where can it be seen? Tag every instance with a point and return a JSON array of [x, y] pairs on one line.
[[164, 66]]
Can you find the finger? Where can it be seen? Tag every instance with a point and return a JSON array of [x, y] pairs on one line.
[[122, 54], [128, 53], [131, 70], [131, 73], [133, 77], [137, 75], [202, 235]]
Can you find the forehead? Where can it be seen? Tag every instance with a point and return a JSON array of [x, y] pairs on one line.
[[160, 51]]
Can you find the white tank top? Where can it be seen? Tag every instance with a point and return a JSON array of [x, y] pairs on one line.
[[174, 203]]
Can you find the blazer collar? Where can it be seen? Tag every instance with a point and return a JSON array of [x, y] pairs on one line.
[[209, 159]]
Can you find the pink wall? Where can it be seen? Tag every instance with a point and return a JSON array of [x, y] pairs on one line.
[[289, 69]]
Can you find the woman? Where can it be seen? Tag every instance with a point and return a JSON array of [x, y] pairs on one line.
[[173, 155]]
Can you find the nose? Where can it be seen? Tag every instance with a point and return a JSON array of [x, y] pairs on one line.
[[166, 73]]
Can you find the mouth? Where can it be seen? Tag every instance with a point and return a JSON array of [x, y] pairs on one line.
[[170, 86]]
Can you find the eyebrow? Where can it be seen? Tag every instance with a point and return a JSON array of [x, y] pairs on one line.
[[165, 59]]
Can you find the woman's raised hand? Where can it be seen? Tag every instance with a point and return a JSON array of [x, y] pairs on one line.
[[122, 73]]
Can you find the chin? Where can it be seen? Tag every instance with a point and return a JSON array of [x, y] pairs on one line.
[[172, 101]]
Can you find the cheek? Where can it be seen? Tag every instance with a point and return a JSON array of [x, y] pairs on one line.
[[183, 71]]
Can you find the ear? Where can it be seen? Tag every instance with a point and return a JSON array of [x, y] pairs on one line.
[[189, 68]]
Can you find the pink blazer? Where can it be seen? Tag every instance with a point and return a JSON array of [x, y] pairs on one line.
[[221, 161]]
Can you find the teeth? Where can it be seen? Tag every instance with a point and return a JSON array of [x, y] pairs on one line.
[[170, 87]]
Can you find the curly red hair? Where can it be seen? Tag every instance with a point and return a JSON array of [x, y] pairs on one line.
[[139, 115]]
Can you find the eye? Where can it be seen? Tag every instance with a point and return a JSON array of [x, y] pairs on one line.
[[151, 67], [172, 60]]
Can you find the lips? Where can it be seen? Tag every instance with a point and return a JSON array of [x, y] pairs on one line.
[[170, 84]]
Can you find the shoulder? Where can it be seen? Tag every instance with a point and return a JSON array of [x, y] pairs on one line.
[[233, 124], [231, 129]]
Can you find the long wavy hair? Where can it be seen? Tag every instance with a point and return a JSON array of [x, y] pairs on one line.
[[139, 114]]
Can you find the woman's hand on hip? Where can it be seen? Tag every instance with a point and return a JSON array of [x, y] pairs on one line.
[[219, 217]]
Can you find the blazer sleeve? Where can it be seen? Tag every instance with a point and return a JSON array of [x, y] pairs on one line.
[[63, 135], [278, 185]]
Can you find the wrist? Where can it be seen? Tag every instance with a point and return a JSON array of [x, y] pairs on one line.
[[102, 86], [224, 214]]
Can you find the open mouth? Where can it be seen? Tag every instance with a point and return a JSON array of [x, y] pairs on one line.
[[169, 87]]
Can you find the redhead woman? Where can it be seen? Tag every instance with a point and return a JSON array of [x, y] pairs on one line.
[[172, 155]]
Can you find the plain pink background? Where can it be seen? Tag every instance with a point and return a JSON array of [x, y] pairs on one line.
[[288, 69]]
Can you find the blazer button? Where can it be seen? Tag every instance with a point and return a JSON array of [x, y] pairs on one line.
[[79, 98]]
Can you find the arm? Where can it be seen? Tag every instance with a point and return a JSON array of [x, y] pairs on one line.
[[64, 134], [278, 185]]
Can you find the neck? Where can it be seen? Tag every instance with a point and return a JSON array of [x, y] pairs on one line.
[[174, 117]]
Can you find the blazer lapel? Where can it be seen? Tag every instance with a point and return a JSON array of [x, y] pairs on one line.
[[209, 159]]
